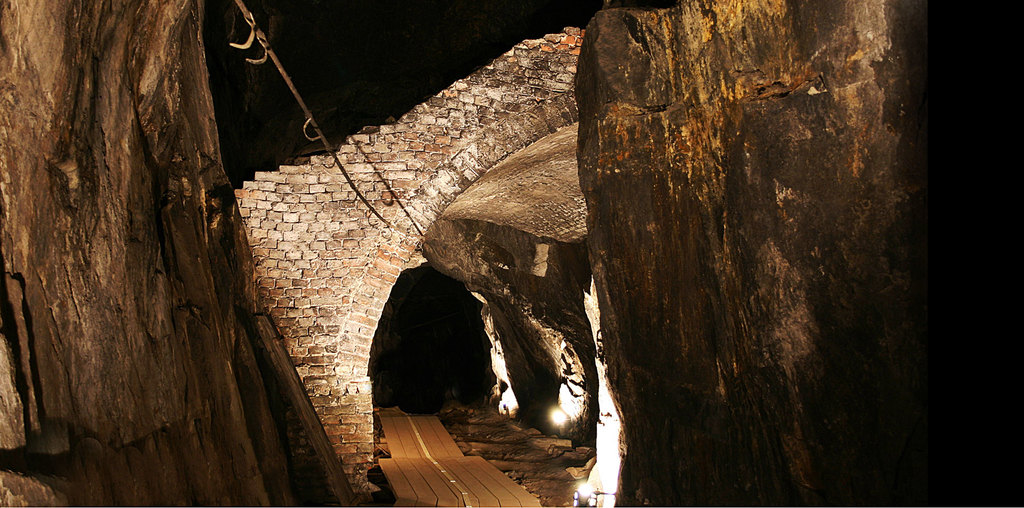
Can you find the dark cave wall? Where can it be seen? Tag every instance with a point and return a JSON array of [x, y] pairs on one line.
[[126, 291], [532, 314], [756, 180]]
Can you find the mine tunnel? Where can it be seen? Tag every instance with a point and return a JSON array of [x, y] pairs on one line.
[[433, 355], [430, 346], [619, 252]]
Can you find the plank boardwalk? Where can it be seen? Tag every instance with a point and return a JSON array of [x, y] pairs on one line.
[[427, 468]]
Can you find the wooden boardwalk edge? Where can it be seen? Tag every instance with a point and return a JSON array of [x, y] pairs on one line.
[[427, 468]]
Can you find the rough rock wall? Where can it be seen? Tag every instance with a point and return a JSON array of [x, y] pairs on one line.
[[126, 292], [538, 320], [515, 237], [756, 180]]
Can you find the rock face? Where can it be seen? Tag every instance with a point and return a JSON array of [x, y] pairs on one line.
[[127, 299], [515, 237], [756, 180], [755, 177]]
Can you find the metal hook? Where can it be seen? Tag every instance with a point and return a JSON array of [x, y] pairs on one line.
[[305, 131], [252, 33], [247, 43], [266, 52]]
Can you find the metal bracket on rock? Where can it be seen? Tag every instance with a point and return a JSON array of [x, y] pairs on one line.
[[252, 33], [305, 130], [256, 34]]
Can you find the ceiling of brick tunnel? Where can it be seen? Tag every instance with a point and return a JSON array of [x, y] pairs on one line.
[[356, 63]]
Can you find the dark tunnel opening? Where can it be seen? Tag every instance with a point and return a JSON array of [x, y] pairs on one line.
[[430, 346]]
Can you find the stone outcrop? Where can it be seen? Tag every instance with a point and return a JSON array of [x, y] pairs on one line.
[[19, 490], [127, 365], [756, 181], [515, 237]]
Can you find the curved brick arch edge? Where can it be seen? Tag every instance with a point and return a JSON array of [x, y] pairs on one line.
[[399, 252]]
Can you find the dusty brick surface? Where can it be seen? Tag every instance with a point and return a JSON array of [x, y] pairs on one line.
[[325, 265]]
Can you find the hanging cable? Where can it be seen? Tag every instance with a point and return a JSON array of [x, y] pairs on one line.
[[258, 35]]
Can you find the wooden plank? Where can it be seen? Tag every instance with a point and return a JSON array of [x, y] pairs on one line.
[[418, 426], [446, 493], [402, 432], [396, 443], [478, 467], [419, 480], [497, 478], [402, 440], [480, 495], [401, 487], [442, 443], [422, 493], [413, 448], [439, 442]]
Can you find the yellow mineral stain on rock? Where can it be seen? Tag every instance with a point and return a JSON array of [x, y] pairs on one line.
[[856, 159], [733, 14], [70, 169], [857, 164], [854, 57]]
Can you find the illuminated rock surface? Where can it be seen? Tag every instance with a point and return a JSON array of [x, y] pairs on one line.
[[756, 178]]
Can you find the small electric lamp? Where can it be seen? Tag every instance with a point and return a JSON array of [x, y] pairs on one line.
[[558, 416]]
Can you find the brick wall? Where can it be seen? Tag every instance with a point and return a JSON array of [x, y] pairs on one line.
[[325, 266]]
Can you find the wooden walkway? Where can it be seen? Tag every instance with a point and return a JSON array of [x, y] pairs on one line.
[[426, 468]]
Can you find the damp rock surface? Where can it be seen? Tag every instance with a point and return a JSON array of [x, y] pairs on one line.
[[756, 181], [516, 239], [126, 291]]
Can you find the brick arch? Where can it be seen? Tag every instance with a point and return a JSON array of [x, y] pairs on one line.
[[324, 265], [396, 253]]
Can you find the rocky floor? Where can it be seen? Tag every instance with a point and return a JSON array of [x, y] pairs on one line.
[[549, 467]]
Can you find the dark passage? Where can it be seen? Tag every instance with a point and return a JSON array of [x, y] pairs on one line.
[[430, 345]]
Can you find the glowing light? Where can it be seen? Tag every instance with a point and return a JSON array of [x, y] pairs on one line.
[[508, 405], [558, 416], [610, 449], [584, 495], [569, 402]]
